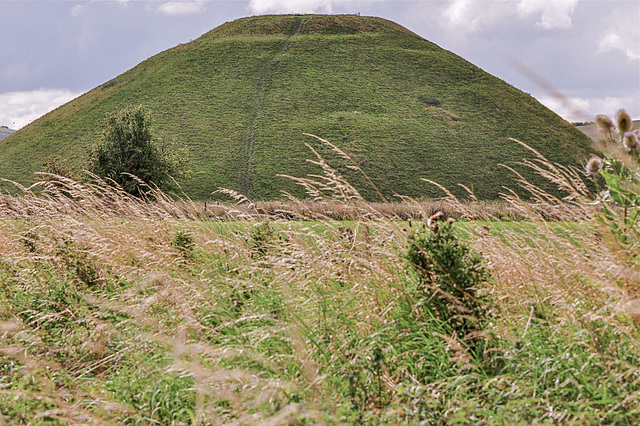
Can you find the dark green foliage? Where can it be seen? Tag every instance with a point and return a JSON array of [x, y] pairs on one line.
[[183, 241], [59, 166], [450, 275], [260, 239], [127, 153], [429, 100], [29, 240], [78, 264]]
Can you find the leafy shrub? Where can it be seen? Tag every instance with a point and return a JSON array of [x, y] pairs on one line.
[[183, 241], [78, 263], [60, 166], [449, 274], [127, 153], [260, 239]]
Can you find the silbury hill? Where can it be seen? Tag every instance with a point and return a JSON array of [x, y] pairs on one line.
[[240, 97]]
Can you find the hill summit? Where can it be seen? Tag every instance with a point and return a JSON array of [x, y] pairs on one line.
[[240, 97]]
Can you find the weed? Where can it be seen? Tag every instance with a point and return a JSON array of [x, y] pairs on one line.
[[451, 276], [184, 242], [78, 263], [620, 170], [260, 239], [29, 239]]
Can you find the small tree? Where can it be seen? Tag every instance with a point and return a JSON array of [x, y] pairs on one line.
[[127, 147]]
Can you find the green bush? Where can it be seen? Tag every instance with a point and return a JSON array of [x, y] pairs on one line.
[[183, 242], [260, 239], [449, 274], [128, 154]]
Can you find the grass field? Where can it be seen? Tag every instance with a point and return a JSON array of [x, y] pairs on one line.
[[118, 311]]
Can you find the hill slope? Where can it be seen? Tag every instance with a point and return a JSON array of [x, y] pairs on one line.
[[240, 97]]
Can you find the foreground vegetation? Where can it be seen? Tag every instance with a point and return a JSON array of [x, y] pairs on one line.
[[239, 98], [119, 310]]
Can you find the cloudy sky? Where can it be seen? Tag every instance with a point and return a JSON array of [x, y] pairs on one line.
[[578, 57]]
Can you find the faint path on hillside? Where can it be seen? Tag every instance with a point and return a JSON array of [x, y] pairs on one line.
[[247, 158]]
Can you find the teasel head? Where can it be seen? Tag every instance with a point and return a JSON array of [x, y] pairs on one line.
[[623, 120], [593, 165], [630, 141], [604, 123]]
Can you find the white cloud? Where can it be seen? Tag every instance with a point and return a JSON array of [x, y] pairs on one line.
[[294, 6], [623, 36], [553, 13], [76, 10], [584, 109], [458, 13], [470, 15], [475, 15], [17, 109], [571, 109], [613, 41], [182, 7]]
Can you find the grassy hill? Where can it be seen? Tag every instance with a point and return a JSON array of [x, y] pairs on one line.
[[241, 96]]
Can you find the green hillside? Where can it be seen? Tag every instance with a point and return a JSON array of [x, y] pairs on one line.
[[241, 96]]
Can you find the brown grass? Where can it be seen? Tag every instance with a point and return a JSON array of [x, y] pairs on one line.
[[558, 258]]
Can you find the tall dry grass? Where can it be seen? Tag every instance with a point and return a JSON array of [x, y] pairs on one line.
[[117, 309]]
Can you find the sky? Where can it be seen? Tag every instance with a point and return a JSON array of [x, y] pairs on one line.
[[578, 57]]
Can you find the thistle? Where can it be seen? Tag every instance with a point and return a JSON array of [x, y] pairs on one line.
[[630, 140], [593, 165], [624, 121], [604, 123]]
